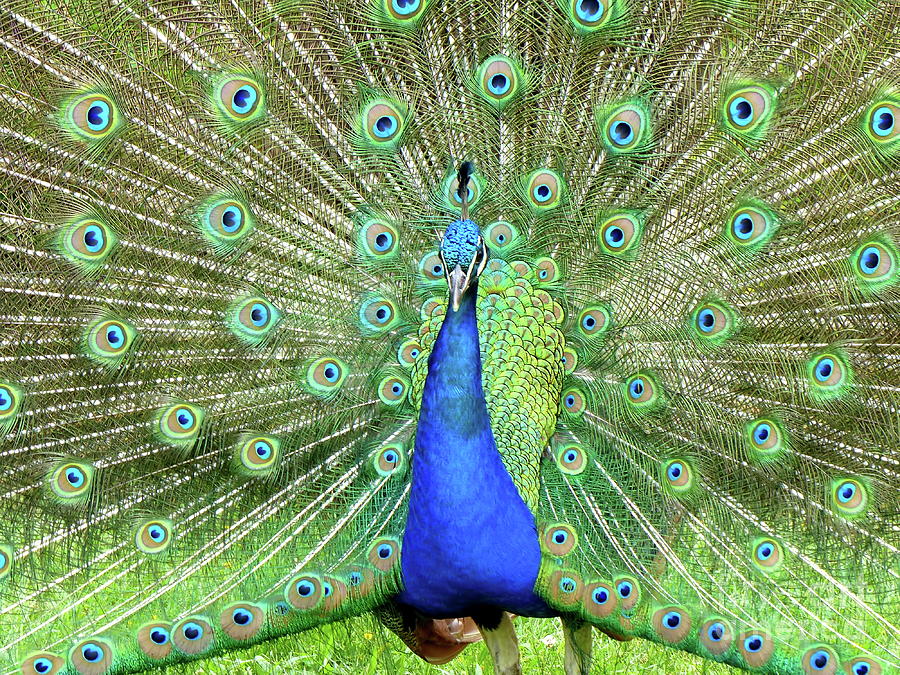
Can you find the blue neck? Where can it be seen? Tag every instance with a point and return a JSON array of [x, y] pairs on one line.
[[470, 541]]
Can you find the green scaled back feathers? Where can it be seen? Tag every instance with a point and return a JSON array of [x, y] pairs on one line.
[[221, 281]]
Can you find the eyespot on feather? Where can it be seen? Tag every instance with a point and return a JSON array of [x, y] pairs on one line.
[[819, 660], [768, 555], [590, 15], [304, 592], [389, 460], [499, 81], [194, 635], [500, 235], [86, 243], [672, 624], [154, 536], [409, 352], [620, 233], [71, 481], [384, 554], [766, 439], [404, 11], [325, 376], [94, 656], [544, 189], [239, 99], [716, 635], [882, 122], [431, 267], [378, 239], [107, 341], [747, 111], [242, 621], [571, 459], [155, 639], [628, 592], [11, 399], [382, 121], [750, 227], [565, 588], [7, 559], [756, 647], [91, 117], [875, 264], [259, 455], [573, 401], [253, 319], [179, 424], [599, 600], [641, 391], [593, 322], [393, 390], [377, 315], [863, 666], [625, 128], [829, 374], [678, 476], [849, 497], [559, 539], [42, 663], [713, 322], [546, 270]]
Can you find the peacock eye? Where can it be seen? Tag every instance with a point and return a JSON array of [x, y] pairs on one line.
[[876, 263], [326, 375], [499, 81], [382, 122], [544, 189], [625, 128], [240, 99], [500, 234], [619, 234], [767, 554], [590, 13], [404, 10], [91, 116], [747, 108], [392, 390], [884, 121], [154, 536], [748, 225]]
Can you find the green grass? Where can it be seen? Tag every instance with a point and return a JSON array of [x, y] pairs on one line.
[[362, 647]]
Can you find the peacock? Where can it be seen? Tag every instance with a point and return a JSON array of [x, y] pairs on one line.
[[450, 313]]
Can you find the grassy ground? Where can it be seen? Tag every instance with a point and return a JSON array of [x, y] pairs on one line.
[[361, 648]]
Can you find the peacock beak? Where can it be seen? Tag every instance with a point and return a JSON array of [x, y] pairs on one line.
[[458, 280]]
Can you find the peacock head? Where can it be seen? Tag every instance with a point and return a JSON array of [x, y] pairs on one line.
[[462, 247], [464, 255]]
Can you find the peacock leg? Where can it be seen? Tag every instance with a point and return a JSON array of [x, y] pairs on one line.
[[500, 637], [578, 646]]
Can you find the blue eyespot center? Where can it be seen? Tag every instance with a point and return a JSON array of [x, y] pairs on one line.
[[437, 270], [75, 477], [570, 456], [159, 635], [846, 492], [636, 390], [567, 585], [259, 315], [716, 631], [383, 241], [820, 659], [765, 551], [242, 617], [542, 193], [385, 126], [192, 631], [42, 665], [185, 418], [741, 111], [743, 227], [93, 238], [861, 668], [675, 471], [390, 457], [883, 121], [870, 260], [601, 596], [588, 322], [5, 399], [405, 7], [672, 619], [91, 652], [232, 219], [560, 536], [570, 401], [98, 116], [706, 320], [824, 368], [385, 551], [499, 84], [263, 450], [753, 643], [589, 10], [305, 589], [615, 236], [331, 373], [761, 433], [157, 534], [244, 99], [622, 133], [354, 579], [624, 589]]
